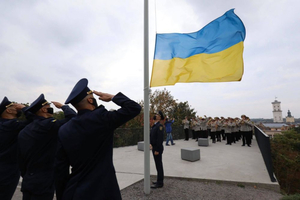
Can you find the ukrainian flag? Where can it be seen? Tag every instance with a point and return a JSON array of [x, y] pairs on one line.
[[213, 54]]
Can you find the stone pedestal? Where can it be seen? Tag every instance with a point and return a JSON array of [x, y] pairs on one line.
[[140, 146], [190, 154], [203, 142]]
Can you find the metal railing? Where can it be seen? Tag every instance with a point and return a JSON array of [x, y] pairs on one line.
[[263, 142]]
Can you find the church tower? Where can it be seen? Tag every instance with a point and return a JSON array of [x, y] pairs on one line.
[[289, 118], [277, 113]]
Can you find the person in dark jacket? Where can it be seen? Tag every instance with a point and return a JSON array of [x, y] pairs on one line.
[[37, 147], [10, 127], [156, 144], [86, 144], [168, 125]]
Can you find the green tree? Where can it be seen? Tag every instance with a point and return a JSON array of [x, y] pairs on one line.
[[285, 150], [162, 100], [59, 115], [182, 110]]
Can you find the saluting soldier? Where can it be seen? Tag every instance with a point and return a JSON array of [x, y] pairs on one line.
[[156, 145], [192, 127], [197, 128], [37, 147], [244, 127], [236, 129], [227, 129], [208, 127], [213, 129], [86, 144], [219, 129], [10, 127], [203, 127], [186, 126], [249, 133], [222, 129]]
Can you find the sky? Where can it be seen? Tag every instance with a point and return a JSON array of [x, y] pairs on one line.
[[47, 46]]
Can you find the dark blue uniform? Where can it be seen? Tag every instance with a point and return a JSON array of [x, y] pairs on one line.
[[86, 144], [37, 148], [9, 170], [156, 140]]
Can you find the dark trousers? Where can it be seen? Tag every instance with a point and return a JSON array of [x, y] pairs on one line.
[[243, 137], [223, 135], [197, 134], [203, 134], [159, 168], [194, 134], [229, 138], [213, 136], [30, 196], [218, 133], [233, 134], [186, 132], [248, 136], [208, 132], [8, 190]]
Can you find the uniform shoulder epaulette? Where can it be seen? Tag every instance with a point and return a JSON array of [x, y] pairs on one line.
[[54, 120]]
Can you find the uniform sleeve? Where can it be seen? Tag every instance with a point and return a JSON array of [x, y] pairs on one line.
[[159, 139], [62, 166], [21, 162], [69, 114], [129, 109]]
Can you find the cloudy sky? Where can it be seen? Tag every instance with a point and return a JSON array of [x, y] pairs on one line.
[[47, 46]]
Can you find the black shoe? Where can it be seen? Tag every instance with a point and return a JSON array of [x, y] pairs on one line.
[[173, 144], [167, 145], [243, 145], [249, 145], [154, 183], [157, 186], [228, 144], [196, 140]]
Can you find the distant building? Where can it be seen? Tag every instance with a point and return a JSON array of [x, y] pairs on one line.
[[277, 113], [272, 129], [289, 118]]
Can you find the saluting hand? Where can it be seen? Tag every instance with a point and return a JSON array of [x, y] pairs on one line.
[[18, 106], [104, 96], [57, 104]]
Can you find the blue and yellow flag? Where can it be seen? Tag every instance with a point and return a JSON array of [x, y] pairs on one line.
[[212, 54]]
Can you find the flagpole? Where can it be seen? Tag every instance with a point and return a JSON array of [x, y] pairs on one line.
[[146, 102]]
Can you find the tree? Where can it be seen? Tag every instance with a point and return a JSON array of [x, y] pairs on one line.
[[285, 150], [138, 121], [162, 100], [182, 110], [59, 115]]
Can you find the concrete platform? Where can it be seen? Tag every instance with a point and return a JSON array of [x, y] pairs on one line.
[[221, 162]]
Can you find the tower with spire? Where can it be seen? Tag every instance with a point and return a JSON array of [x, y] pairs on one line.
[[289, 118], [277, 112]]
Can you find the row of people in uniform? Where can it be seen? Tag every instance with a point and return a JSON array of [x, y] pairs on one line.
[[230, 129], [42, 149]]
